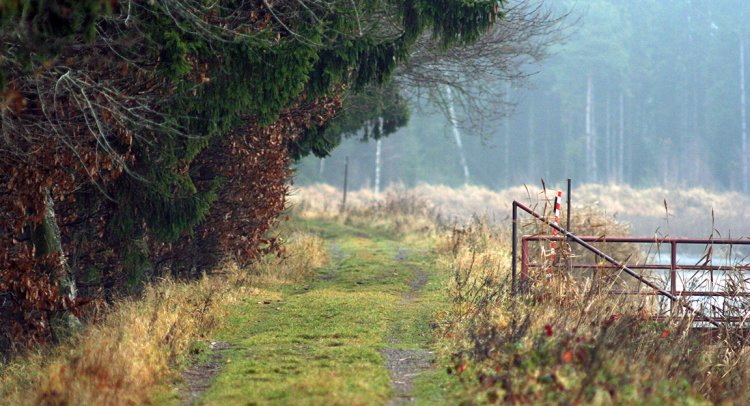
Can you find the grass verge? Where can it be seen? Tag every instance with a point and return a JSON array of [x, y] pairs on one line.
[[134, 354]]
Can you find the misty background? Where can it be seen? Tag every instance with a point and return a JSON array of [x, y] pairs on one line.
[[648, 93]]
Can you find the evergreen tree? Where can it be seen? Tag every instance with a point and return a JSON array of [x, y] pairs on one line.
[[169, 126]]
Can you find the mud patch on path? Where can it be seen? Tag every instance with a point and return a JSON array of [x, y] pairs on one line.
[[198, 378], [404, 365], [402, 255], [416, 285], [327, 274]]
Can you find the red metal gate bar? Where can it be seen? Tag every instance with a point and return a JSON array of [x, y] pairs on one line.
[[653, 267], [672, 266], [644, 240], [681, 293], [570, 236]]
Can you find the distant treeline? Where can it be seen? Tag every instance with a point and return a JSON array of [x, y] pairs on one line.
[[642, 92]]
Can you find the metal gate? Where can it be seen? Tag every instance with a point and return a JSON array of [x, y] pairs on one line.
[[676, 291]]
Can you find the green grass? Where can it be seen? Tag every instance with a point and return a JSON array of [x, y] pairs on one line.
[[319, 342], [436, 386]]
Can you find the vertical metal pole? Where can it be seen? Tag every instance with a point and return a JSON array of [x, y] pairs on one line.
[[346, 178], [567, 227], [513, 251], [567, 223], [673, 272]]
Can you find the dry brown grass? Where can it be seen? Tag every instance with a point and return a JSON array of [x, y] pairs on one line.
[[563, 341], [689, 210], [140, 343], [303, 252], [396, 211], [120, 359], [400, 212]]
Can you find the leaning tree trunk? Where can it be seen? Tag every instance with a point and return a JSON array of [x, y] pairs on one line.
[[47, 241], [457, 135]]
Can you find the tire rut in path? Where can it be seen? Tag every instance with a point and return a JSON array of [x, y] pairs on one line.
[[405, 365], [198, 378]]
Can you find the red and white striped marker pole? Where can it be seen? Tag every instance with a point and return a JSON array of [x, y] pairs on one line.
[[558, 199]]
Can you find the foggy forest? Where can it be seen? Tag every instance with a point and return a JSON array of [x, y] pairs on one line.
[[648, 93]]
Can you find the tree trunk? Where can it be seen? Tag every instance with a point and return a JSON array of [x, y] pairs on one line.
[[457, 135], [589, 139], [531, 156], [378, 159], [594, 144], [47, 241], [506, 144], [567, 122], [743, 116], [509, 178], [621, 142], [346, 185], [547, 141], [608, 141]]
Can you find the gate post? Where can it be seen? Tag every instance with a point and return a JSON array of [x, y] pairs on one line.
[[673, 273], [513, 250]]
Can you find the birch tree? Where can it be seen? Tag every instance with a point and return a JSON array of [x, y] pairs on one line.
[[589, 130], [457, 135], [378, 156]]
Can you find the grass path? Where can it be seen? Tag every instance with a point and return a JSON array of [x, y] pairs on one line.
[[358, 333]]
